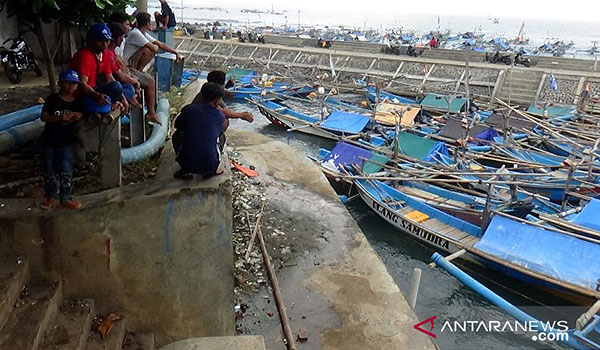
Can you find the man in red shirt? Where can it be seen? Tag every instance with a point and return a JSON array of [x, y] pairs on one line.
[[91, 64]]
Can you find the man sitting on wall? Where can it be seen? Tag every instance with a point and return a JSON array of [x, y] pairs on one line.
[[166, 18], [140, 47], [195, 140], [91, 63], [146, 80]]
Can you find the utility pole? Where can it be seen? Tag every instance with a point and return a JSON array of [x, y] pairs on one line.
[[182, 13], [142, 5]]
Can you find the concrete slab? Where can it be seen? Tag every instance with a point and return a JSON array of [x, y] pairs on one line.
[[249, 342], [335, 287]]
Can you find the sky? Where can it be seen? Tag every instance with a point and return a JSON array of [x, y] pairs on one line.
[[584, 10]]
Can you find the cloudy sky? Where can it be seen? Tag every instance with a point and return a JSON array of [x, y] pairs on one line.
[[585, 10]]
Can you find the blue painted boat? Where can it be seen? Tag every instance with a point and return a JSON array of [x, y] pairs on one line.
[[416, 218], [582, 337], [372, 94], [336, 124]]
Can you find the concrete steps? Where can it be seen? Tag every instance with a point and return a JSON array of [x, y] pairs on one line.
[[71, 327], [113, 341], [13, 275], [521, 85], [134, 341], [32, 315]]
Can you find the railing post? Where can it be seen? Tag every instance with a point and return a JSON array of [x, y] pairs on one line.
[[137, 127], [110, 153]]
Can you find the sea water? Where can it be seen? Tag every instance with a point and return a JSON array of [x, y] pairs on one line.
[[582, 32]]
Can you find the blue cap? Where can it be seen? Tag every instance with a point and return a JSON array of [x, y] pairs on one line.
[[99, 31], [68, 75]]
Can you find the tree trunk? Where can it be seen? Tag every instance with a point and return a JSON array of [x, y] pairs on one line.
[[48, 57]]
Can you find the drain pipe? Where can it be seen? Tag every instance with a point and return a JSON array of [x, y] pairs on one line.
[[156, 139], [19, 117], [19, 135]]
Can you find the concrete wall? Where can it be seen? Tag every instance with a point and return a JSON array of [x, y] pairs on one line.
[[8, 26], [158, 252]]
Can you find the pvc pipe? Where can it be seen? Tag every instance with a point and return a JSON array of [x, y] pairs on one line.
[[414, 288], [19, 117], [19, 135], [154, 142], [497, 300]]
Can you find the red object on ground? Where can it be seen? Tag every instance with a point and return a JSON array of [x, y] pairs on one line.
[[244, 170]]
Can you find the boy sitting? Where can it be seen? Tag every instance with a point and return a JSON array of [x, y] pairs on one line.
[[59, 112], [197, 129]]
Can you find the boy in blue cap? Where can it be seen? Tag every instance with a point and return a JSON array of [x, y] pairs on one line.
[[59, 113]]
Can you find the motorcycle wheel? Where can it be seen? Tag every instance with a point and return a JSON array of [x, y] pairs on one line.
[[493, 60], [37, 70], [527, 63], [507, 61], [12, 73]]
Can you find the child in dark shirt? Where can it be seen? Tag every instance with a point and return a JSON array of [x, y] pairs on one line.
[[197, 129], [59, 112]]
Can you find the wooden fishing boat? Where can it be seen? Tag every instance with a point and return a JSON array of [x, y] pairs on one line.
[[333, 126], [547, 258]]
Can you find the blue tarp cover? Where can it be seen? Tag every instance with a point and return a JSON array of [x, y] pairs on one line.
[[544, 251], [345, 122], [487, 135], [551, 111], [436, 152], [440, 102], [588, 217], [343, 154]]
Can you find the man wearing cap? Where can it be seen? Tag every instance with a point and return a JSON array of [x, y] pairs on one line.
[[59, 113], [90, 63]]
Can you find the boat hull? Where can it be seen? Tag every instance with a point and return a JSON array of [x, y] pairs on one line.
[[407, 226]]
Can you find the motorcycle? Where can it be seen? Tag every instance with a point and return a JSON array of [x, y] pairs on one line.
[[391, 49], [519, 59], [498, 57], [18, 58], [411, 51]]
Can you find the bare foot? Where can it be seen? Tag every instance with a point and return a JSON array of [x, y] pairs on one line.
[[153, 117], [219, 171], [135, 103]]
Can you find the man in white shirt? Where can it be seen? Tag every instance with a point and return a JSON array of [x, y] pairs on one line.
[[140, 47]]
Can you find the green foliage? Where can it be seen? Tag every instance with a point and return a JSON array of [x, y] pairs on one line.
[[68, 13]]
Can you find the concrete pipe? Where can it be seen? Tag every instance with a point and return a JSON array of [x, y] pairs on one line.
[[19, 135], [156, 139], [19, 117]]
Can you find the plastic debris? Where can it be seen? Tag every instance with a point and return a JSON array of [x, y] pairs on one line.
[[107, 325]]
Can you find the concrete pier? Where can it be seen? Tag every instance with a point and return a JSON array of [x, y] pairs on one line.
[[335, 286], [158, 252]]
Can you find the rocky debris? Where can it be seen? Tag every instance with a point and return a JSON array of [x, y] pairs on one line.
[[249, 195]]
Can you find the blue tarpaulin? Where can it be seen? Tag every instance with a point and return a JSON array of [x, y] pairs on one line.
[[550, 253], [436, 152], [487, 135], [347, 122], [344, 154], [588, 217], [551, 111]]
